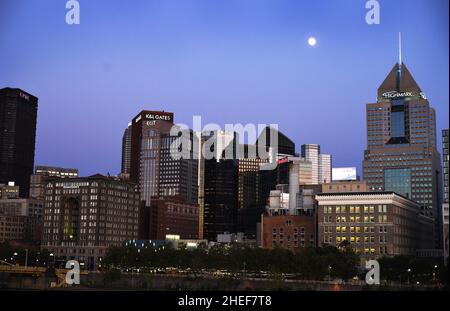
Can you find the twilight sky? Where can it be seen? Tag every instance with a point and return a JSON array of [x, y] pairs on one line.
[[230, 61]]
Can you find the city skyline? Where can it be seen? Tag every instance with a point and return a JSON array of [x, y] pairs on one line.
[[175, 82]]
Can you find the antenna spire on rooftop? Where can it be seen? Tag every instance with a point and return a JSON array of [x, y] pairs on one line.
[[400, 49]]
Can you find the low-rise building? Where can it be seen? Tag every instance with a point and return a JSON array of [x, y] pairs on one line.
[[345, 186], [287, 231], [169, 216], [84, 216], [43, 173], [20, 219], [376, 224], [9, 191]]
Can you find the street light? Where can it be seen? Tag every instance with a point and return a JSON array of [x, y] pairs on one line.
[[435, 272], [409, 271], [15, 254], [52, 258]]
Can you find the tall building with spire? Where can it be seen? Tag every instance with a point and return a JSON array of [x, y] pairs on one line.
[[401, 154]]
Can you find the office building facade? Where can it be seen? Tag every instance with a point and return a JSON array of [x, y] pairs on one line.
[[9, 191], [445, 208], [310, 152], [320, 163], [325, 165], [20, 219], [401, 153], [287, 231], [18, 114], [84, 216], [173, 216], [42, 174], [305, 177], [376, 224], [178, 177], [146, 131], [218, 191], [126, 151]]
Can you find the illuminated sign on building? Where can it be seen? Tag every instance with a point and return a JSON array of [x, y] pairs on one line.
[[283, 160], [153, 117], [395, 94], [163, 117], [344, 173]]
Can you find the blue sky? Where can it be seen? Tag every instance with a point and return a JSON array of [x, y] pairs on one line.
[[230, 61]]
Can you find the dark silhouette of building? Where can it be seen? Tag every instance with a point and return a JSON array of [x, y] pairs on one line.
[[18, 113], [218, 192], [126, 150], [172, 216]]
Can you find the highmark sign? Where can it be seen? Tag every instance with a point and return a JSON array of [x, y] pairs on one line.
[[395, 94]]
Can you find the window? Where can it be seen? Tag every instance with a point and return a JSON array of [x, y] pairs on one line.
[[398, 180]]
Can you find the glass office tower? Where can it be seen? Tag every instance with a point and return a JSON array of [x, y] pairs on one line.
[[401, 153]]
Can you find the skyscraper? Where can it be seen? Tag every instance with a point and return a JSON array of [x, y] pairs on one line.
[[126, 150], [18, 113], [310, 152], [324, 168], [445, 160], [445, 210], [147, 130], [178, 177], [320, 163], [401, 153], [218, 191], [305, 176]]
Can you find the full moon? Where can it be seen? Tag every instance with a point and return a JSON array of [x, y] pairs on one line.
[[312, 41]]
